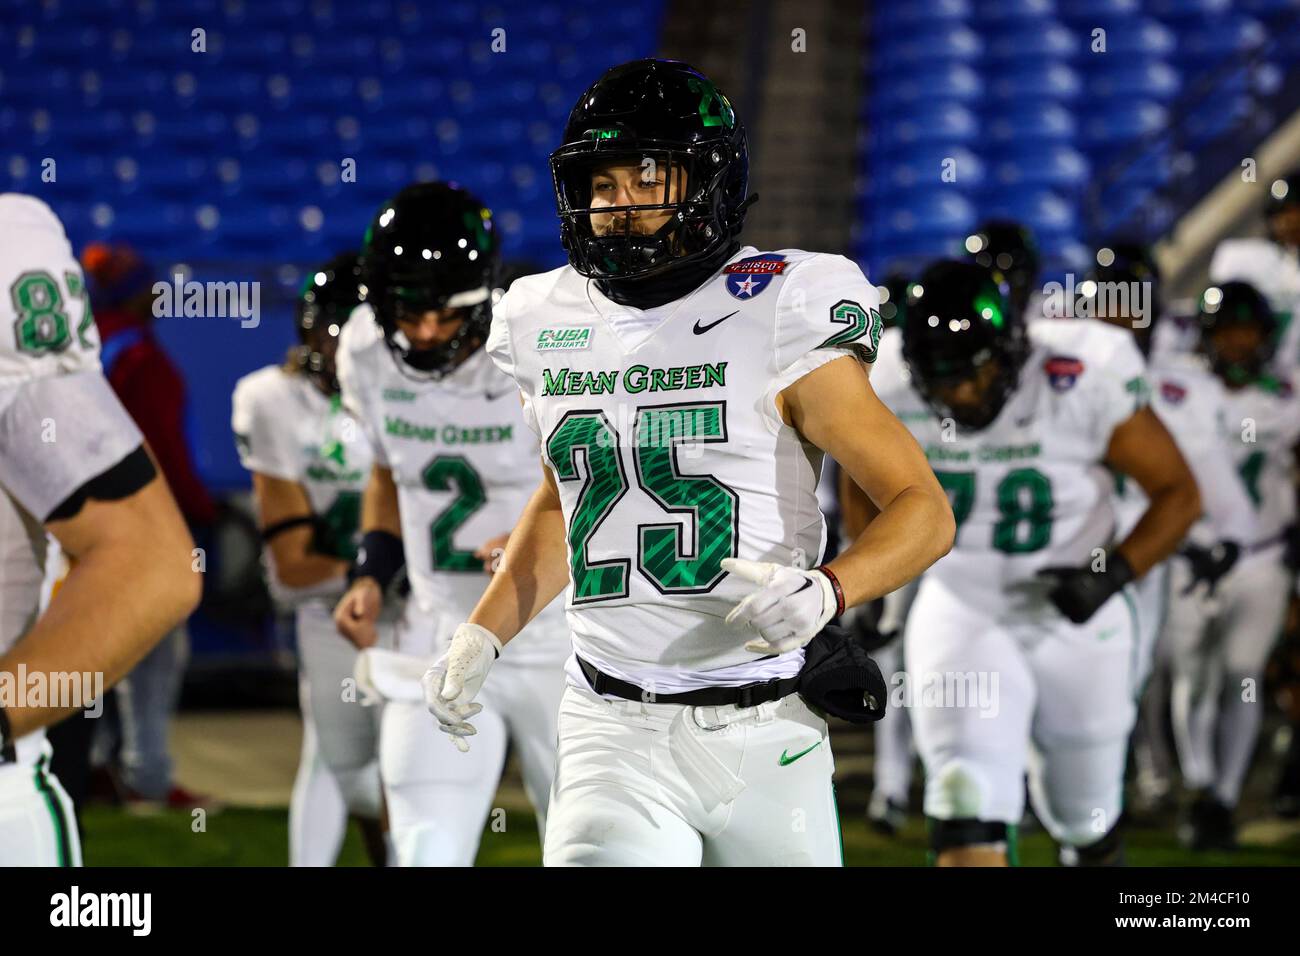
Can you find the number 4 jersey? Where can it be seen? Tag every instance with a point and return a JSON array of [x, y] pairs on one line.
[[662, 433], [465, 467], [1030, 490]]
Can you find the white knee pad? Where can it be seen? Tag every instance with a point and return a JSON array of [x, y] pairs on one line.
[[957, 790]]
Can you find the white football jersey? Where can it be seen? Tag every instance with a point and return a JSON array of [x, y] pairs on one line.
[[670, 455], [287, 428], [1192, 403], [1274, 271], [60, 423], [1263, 422], [465, 467], [1029, 491]]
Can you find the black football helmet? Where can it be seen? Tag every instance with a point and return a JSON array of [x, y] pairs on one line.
[[1127, 264], [433, 246], [328, 296], [1236, 305], [660, 115], [960, 333], [1282, 213], [1008, 249]]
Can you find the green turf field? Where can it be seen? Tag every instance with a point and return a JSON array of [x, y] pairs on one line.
[[241, 837]]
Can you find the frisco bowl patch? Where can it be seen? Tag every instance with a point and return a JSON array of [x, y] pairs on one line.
[[1062, 371], [748, 277]]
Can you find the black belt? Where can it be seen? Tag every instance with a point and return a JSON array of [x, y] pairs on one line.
[[747, 695]]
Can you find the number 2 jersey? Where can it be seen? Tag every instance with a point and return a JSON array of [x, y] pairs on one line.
[[60, 423], [464, 466], [661, 430], [1030, 490], [287, 428]]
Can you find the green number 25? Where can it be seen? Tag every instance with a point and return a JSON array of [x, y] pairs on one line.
[[663, 556], [1024, 500]]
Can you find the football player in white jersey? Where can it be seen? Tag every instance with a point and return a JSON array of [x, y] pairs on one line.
[[1272, 266], [1191, 403], [1221, 642], [684, 387], [310, 461], [71, 463], [454, 467], [1020, 644]]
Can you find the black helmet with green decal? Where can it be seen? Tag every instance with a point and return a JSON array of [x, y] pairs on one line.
[[963, 343], [329, 294], [1238, 332], [669, 120], [430, 248]]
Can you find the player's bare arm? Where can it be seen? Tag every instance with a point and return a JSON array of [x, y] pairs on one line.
[[95, 625], [1142, 448], [533, 569], [856, 509], [358, 610], [284, 505], [835, 408]]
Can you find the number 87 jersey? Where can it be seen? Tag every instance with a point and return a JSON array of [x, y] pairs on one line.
[[1030, 490], [661, 430]]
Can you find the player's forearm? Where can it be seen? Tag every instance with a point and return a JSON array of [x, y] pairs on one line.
[[304, 569], [379, 508], [95, 626], [1162, 527], [856, 509], [912, 532], [533, 570]]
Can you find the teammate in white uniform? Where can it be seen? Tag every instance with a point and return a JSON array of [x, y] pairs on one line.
[[71, 463], [1019, 424], [310, 461], [1191, 403], [1221, 642], [682, 398], [454, 467]]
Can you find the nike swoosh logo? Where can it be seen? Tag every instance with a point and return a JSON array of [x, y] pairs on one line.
[[701, 329], [493, 396], [785, 760]]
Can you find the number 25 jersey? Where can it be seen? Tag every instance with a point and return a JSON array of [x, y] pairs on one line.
[[662, 433]]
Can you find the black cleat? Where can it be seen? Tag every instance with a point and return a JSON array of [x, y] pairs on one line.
[[1208, 825]]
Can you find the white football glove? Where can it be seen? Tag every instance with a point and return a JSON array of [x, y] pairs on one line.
[[789, 608], [454, 680]]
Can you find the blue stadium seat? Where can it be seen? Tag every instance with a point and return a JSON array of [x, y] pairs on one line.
[[1035, 121]]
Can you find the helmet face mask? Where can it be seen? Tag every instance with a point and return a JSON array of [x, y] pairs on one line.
[[672, 125], [964, 346], [431, 249], [1238, 332], [328, 297]]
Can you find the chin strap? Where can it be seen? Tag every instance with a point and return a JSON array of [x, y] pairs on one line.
[[654, 291]]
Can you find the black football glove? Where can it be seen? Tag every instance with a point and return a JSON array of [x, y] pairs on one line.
[[863, 625], [1079, 592], [1209, 565]]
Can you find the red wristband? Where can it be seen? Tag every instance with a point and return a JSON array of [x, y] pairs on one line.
[[835, 586]]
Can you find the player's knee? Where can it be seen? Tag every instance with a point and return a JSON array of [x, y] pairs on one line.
[[428, 844], [958, 789], [360, 789]]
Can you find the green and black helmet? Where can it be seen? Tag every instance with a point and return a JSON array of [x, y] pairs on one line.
[[1229, 305], [433, 246], [1008, 249], [957, 322], [661, 116], [328, 296]]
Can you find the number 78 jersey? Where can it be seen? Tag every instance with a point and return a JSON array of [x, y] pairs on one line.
[[662, 433], [1030, 490]]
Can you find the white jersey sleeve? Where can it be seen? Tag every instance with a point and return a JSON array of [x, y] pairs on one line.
[[60, 423], [826, 307], [501, 348], [360, 345], [257, 412]]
